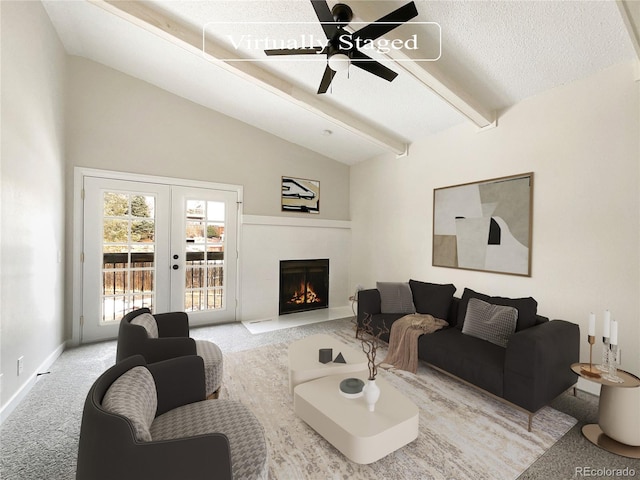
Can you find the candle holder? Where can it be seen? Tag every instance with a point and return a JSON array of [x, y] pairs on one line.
[[590, 371], [604, 366], [614, 360]]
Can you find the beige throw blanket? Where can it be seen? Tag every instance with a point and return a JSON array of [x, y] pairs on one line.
[[403, 340]]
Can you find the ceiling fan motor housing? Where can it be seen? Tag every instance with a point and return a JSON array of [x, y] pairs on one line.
[[338, 52], [342, 14]]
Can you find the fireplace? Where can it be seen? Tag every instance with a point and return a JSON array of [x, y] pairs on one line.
[[304, 285]]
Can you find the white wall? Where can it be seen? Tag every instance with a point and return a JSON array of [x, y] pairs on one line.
[[117, 122], [267, 240], [32, 179], [582, 141]]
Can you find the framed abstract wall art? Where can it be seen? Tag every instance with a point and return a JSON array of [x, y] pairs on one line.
[[300, 195], [485, 225]]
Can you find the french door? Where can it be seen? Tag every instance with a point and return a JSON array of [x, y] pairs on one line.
[[165, 247], [204, 254]]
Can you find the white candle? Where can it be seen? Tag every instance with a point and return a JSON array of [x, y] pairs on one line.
[[614, 333], [592, 324], [607, 324]]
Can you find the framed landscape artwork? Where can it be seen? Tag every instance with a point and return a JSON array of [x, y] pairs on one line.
[[300, 195], [485, 225]]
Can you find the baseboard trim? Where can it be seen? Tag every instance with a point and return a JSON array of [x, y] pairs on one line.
[[22, 392]]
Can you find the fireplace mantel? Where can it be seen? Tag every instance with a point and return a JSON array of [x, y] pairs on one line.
[[268, 239], [294, 222]]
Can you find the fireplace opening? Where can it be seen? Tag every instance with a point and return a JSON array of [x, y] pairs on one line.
[[304, 285]]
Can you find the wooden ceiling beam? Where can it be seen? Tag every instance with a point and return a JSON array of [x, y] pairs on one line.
[[431, 77], [427, 73]]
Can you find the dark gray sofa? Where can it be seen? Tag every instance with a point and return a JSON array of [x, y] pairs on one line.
[[532, 370]]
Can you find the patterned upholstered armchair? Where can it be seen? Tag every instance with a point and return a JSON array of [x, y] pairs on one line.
[[166, 335], [152, 422]]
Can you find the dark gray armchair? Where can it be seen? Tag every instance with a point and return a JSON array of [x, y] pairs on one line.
[[112, 446], [162, 336]]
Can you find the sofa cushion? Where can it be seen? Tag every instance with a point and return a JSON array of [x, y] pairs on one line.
[[133, 395], [147, 321], [527, 308], [493, 323], [476, 361], [237, 422], [395, 297], [432, 298]]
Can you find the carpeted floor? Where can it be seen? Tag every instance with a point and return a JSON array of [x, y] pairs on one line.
[[39, 440]]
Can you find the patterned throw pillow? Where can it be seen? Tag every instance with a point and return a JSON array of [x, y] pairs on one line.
[[147, 321], [527, 307], [493, 323], [133, 395], [395, 297]]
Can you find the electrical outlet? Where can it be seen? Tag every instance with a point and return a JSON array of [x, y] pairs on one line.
[[20, 365]]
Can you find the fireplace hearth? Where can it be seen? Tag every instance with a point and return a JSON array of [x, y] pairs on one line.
[[304, 285]]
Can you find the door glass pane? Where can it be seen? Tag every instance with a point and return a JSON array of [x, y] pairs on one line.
[[204, 236], [128, 254]]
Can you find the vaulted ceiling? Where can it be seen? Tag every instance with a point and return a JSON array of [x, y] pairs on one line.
[[469, 60]]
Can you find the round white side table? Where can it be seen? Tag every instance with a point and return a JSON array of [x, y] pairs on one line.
[[618, 427]]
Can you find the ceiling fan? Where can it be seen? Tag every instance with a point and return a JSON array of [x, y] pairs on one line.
[[342, 46]]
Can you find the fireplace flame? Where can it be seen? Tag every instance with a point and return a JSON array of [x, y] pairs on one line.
[[299, 296]]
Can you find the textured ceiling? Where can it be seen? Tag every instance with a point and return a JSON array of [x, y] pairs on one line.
[[495, 53]]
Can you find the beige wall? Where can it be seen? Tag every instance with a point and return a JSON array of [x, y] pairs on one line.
[[117, 122], [32, 179], [582, 141]]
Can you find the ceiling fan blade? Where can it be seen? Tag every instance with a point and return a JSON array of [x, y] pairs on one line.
[[326, 80], [387, 23], [323, 12], [294, 51], [370, 65]]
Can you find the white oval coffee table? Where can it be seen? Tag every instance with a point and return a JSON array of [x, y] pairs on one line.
[[362, 436], [304, 364]]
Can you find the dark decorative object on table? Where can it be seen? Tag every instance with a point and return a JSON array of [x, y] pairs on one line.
[[339, 359], [325, 355], [351, 387]]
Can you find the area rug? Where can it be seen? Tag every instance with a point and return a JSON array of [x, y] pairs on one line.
[[463, 434]]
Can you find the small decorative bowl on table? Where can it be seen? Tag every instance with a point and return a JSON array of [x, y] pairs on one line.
[[351, 387]]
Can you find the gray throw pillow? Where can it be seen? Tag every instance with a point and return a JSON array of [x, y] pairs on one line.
[[527, 307], [395, 297], [493, 323]]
